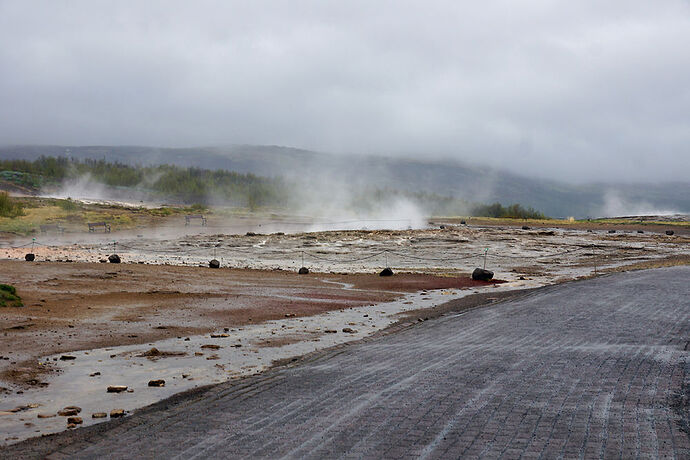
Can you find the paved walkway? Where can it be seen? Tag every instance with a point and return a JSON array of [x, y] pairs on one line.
[[593, 369]]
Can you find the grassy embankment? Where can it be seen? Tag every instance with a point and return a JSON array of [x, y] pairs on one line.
[[566, 223], [74, 215]]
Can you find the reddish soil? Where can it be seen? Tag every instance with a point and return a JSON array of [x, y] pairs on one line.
[[78, 306]]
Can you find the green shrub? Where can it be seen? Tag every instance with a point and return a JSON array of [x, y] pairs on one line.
[[10, 207], [9, 297]]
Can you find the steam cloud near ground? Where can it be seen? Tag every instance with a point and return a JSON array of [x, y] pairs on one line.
[[617, 206], [329, 202]]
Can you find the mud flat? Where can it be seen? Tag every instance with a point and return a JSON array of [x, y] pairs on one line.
[[547, 254]]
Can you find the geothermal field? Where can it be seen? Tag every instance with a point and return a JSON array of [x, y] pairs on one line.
[[99, 340]]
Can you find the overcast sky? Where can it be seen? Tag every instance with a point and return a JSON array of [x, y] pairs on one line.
[[576, 90]]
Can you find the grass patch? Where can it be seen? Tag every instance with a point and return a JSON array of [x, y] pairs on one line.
[[68, 205], [10, 207], [613, 221], [9, 297]]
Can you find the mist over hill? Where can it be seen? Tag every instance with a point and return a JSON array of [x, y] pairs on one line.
[[444, 177]]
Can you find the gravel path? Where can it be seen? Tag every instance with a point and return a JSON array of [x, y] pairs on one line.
[[594, 369]]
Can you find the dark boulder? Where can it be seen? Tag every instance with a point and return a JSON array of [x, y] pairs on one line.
[[462, 222], [669, 232], [214, 263], [114, 259], [303, 271], [525, 227], [612, 231], [640, 231], [386, 272], [442, 227], [30, 257], [481, 274]]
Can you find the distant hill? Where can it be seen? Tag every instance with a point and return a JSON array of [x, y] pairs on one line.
[[445, 177]]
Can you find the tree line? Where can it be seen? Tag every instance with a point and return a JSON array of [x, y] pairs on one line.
[[196, 185]]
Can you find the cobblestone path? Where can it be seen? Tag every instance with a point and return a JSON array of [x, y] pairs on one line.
[[589, 369]]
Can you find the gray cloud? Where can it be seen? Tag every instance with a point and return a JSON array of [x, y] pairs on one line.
[[581, 90]]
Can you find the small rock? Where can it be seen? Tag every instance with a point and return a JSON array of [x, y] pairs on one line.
[[612, 231], [114, 259], [462, 222], [71, 425], [152, 352], [94, 374], [68, 412], [349, 330], [103, 261], [640, 231], [331, 331], [67, 358], [75, 420], [386, 272], [117, 388], [289, 315], [214, 263], [669, 232], [99, 415], [303, 271], [219, 336], [115, 413], [45, 415], [525, 227], [157, 383], [211, 346], [30, 257]]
